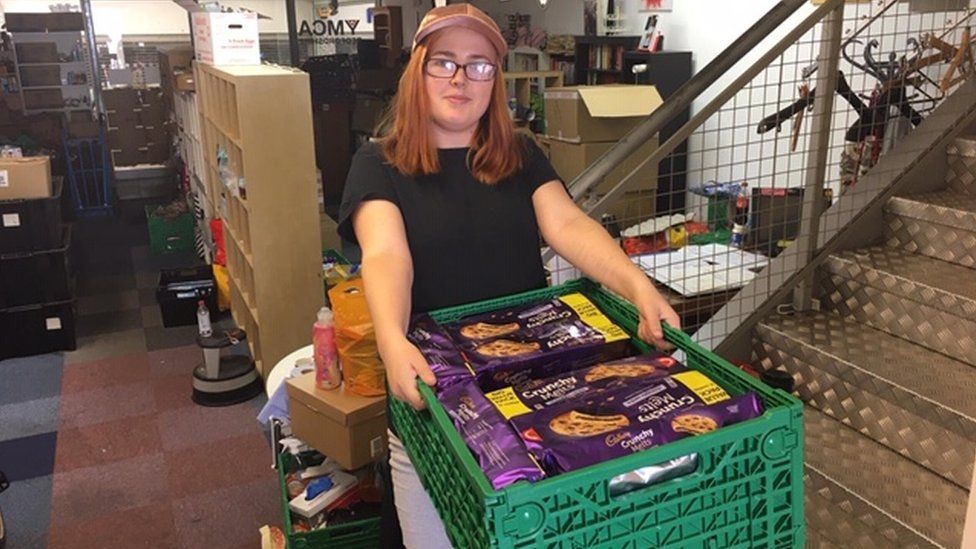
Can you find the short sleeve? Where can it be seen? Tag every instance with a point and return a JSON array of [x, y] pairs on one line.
[[537, 170], [368, 179]]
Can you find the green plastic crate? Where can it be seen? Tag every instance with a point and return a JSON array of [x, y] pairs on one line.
[[747, 491], [170, 235], [361, 534]]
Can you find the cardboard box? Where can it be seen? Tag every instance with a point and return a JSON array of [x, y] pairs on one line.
[[44, 22], [28, 177], [226, 38], [632, 208], [346, 427], [597, 113], [570, 159], [37, 52], [184, 82], [43, 99], [174, 62]]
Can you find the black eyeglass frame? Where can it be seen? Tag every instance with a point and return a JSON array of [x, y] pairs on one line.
[[459, 66]]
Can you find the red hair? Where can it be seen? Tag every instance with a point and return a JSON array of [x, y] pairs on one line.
[[405, 134]]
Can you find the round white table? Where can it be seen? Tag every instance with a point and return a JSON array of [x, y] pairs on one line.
[[284, 366]]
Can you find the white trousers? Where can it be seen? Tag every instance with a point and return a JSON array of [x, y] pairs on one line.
[[421, 525]]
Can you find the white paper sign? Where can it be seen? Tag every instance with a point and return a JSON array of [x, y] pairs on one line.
[[4, 179], [53, 323], [11, 220]]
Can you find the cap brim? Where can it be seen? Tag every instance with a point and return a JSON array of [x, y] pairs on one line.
[[469, 22]]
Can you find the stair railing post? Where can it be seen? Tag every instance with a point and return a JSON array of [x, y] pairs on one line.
[[818, 144]]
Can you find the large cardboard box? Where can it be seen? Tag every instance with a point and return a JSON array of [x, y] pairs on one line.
[[597, 113], [570, 159], [37, 52], [45, 22], [28, 177], [344, 426], [632, 208], [226, 38]]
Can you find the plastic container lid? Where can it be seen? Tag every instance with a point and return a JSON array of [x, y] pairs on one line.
[[325, 315]]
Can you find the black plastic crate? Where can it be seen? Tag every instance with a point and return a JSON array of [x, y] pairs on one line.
[[179, 292], [37, 329], [36, 277], [33, 224]]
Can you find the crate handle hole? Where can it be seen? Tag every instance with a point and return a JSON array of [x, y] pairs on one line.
[[652, 476]]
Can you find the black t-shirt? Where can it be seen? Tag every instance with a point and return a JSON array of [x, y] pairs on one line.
[[468, 241]]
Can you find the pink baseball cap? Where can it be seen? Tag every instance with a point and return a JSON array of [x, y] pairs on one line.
[[461, 15]]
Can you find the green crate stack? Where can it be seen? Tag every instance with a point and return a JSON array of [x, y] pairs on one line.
[[360, 534], [170, 235], [747, 491]]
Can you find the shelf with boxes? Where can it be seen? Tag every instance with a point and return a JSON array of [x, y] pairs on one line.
[[259, 167], [52, 61], [137, 126]]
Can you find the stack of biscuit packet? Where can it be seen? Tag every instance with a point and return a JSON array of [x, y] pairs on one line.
[[546, 388]]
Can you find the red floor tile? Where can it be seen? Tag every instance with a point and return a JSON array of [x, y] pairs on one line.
[[228, 518], [194, 425], [151, 526], [84, 494], [172, 392], [108, 442], [109, 404], [107, 372], [177, 361], [216, 465]]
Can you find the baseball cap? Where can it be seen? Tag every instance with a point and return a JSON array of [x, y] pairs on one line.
[[461, 15]]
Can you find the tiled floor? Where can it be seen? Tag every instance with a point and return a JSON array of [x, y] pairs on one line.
[[103, 446]]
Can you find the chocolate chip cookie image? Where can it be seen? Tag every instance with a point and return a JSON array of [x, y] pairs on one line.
[[580, 425], [602, 371], [484, 330], [506, 348], [693, 424]]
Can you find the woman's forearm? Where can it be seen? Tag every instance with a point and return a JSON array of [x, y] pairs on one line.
[[388, 279]]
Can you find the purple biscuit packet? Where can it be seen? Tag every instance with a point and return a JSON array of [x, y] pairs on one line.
[[587, 439], [601, 378], [438, 348], [498, 448], [511, 346]]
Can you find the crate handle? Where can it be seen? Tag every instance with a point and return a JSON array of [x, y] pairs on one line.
[[659, 474]]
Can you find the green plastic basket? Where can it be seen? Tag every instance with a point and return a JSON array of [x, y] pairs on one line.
[[170, 235], [361, 534], [747, 491]]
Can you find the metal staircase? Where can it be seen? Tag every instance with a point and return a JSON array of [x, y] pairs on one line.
[[887, 367]]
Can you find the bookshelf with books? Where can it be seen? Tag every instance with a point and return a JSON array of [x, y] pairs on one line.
[[600, 59]]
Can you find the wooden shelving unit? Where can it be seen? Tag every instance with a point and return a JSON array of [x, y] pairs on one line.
[[259, 119], [388, 33]]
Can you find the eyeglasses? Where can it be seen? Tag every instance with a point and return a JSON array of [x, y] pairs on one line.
[[478, 71]]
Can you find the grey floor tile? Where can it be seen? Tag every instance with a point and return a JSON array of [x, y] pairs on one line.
[[107, 345], [146, 280], [30, 378], [151, 316], [108, 302], [106, 323], [147, 296], [173, 260], [91, 284], [27, 512], [33, 417], [165, 338]]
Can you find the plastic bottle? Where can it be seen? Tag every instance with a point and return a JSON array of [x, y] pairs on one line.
[[327, 374], [203, 319]]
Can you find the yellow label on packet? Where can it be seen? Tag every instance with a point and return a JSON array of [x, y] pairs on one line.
[[591, 315], [701, 385], [508, 403]]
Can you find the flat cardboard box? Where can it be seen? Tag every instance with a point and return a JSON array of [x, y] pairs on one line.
[[37, 52], [226, 38], [27, 177], [345, 427], [597, 113], [570, 159], [632, 208], [44, 22]]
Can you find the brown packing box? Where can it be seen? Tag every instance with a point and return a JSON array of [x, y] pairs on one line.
[[43, 99], [173, 61], [570, 159], [28, 177], [597, 113], [633, 208], [184, 82], [37, 52], [346, 427], [41, 75]]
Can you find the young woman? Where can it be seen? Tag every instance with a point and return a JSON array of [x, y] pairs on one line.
[[448, 206]]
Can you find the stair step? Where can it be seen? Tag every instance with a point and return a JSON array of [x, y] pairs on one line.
[[925, 300], [961, 163], [908, 504], [917, 402], [940, 225]]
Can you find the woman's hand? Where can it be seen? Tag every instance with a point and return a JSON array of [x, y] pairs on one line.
[[404, 363], [653, 309]]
